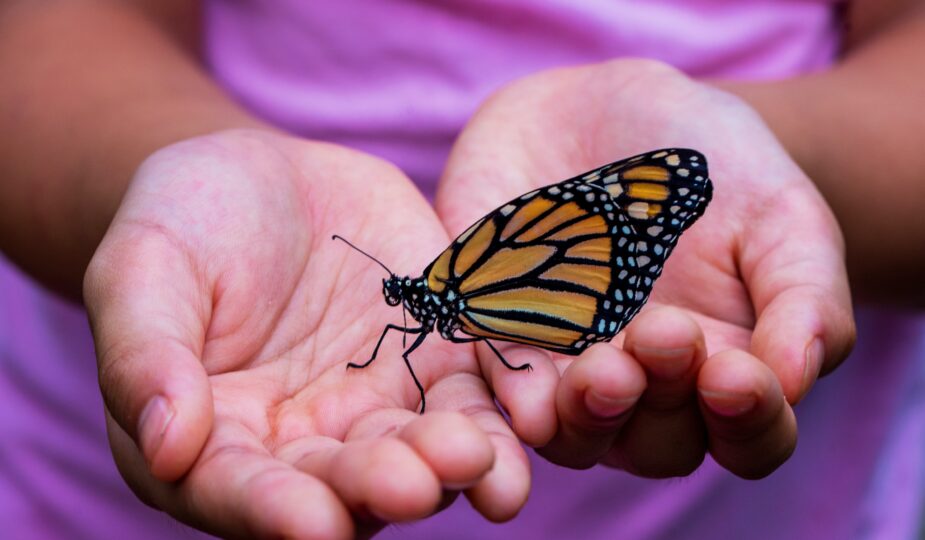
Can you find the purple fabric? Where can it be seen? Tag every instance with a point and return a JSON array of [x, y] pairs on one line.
[[398, 78], [57, 477]]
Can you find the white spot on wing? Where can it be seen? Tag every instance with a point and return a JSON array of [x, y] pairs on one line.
[[615, 190], [638, 210]]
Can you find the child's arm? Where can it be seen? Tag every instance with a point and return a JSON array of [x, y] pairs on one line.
[[858, 130], [89, 89]]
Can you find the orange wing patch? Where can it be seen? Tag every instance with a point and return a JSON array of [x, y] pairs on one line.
[[647, 191], [596, 278], [573, 307], [647, 172], [526, 214], [595, 249], [477, 244], [440, 271], [529, 332], [566, 212], [507, 263], [592, 225]]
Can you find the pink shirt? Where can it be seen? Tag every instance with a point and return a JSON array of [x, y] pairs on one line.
[[398, 78]]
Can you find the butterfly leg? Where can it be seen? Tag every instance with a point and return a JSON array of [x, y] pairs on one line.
[[379, 343], [526, 366], [415, 345]]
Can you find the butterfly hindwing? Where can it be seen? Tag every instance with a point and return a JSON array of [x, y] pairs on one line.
[[663, 193]]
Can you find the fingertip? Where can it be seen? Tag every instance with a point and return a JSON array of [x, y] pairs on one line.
[[733, 383], [598, 388], [173, 434], [455, 448], [160, 394], [503, 492], [298, 507], [241, 491], [663, 327], [751, 427], [396, 483], [670, 346], [528, 396], [802, 334]]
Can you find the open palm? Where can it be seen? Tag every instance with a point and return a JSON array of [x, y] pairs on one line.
[[757, 289], [224, 318]]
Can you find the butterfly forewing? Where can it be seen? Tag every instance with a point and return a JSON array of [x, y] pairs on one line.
[[553, 268], [570, 264]]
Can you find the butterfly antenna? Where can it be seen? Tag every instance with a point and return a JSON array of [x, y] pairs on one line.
[[341, 238]]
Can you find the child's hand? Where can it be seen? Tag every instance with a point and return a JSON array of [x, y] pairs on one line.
[[225, 316], [758, 283]]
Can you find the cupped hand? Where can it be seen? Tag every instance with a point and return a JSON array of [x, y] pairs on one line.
[[224, 318], [752, 306]]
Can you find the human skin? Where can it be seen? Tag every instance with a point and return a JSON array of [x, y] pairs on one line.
[[753, 302], [221, 324], [137, 90], [855, 129], [224, 317]]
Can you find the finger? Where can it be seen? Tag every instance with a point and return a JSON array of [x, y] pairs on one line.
[[751, 427], [454, 447], [593, 399], [238, 491], [800, 291], [665, 436], [502, 491], [501, 494], [380, 477], [528, 395], [142, 299]]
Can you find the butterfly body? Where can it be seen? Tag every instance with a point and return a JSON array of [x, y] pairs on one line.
[[433, 311], [561, 267]]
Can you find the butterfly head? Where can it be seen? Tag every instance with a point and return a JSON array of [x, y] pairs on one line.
[[392, 290]]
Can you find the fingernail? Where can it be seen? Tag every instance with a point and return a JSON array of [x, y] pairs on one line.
[[729, 404], [605, 407], [152, 425], [667, 364], [813, 363]]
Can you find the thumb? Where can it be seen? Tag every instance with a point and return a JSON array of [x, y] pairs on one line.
[[147, 327]]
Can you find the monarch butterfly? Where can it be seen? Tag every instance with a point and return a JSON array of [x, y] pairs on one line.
[[561, 267]]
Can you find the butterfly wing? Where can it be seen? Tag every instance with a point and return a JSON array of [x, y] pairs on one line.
[[557, 267], [543, 269], [663, 193]]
